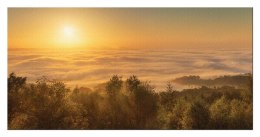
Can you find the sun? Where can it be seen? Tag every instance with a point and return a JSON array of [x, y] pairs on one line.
[[68, 31], [69, 35]]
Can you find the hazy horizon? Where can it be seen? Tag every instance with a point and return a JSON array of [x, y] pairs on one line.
[[88, 68]]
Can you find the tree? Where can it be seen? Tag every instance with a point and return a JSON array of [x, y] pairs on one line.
[[146, 105], [241, 116], [132, 83], [114, 85], [219, 112], [176, 115], [196, 116], [15, 83], [52, 105], [169, 87], [15, 87]]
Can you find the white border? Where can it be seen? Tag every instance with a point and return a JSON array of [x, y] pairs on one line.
[[128, 3], [4, 4], [3, 67]]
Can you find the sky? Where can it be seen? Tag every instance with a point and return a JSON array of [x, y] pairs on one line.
[[130, 28]]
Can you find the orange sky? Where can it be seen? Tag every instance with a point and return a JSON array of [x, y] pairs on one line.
[[129, 28]]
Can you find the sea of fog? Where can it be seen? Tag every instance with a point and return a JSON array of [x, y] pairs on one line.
[[91, 67]]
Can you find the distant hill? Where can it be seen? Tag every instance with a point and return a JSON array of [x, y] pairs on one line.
[[85, 90], [242, 80]]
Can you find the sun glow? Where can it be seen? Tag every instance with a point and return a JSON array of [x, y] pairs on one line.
[[69, 36], [68, 31]]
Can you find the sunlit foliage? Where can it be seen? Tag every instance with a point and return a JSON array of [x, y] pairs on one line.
[[129, 104]]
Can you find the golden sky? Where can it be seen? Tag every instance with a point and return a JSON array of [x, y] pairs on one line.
[[129, 28]]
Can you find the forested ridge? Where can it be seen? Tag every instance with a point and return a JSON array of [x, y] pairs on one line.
[[240, 81], [128, 104]]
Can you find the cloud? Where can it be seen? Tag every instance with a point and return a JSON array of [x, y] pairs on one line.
[[90, 67], [22, 57], [39, 63]]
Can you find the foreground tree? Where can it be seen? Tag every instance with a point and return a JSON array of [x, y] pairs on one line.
[[16, 87], [196, 116]]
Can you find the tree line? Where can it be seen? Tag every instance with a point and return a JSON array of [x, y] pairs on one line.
[[129, 104], [241, 80]]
